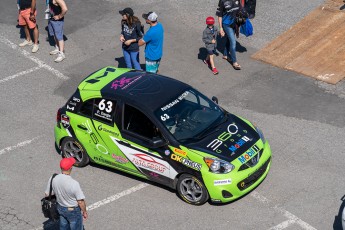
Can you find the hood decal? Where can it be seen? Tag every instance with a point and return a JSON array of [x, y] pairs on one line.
[[233, 139]]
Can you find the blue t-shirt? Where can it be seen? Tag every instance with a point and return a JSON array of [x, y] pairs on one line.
[[154, 42]]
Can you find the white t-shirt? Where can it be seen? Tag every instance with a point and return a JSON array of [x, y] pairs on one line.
[[66, 189]]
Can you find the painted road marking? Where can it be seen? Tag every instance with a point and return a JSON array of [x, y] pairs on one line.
[[20, 74], [116, 196], [292, 219], [21, 144], [111, 199], [32, 58]]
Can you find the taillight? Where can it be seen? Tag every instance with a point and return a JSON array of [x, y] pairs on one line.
[[58, 118]]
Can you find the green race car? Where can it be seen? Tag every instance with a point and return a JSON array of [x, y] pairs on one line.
[[163, 130]]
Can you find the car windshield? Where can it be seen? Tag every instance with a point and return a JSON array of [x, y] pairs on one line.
[[190, 115]]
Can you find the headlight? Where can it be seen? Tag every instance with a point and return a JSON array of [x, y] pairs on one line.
[[218, 166], [260, 134]]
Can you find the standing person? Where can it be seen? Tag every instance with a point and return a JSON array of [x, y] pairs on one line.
[[209, 38], [226, 12], [154, 42], [27, 19], [58, 9], [130, 35], [69, 196]]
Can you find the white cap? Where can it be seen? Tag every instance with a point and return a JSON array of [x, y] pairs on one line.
[[152, 16]]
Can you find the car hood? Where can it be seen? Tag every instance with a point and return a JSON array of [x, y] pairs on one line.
[[229, 140]]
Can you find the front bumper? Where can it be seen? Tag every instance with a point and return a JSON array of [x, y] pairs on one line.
[[242, 182]]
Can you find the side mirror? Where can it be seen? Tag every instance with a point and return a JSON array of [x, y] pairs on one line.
[[157, 142], [215, 99]]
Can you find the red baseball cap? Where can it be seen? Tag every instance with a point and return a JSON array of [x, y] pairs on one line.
[[67, 163]]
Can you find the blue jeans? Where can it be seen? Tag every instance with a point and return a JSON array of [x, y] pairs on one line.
[[230, 33], [70, 219], [132, 57]]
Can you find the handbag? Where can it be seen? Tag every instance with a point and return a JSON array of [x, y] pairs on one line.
[[247, 28], [49, 204]]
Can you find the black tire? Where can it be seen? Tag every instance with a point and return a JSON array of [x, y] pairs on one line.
[[70, 147], [192, 190]]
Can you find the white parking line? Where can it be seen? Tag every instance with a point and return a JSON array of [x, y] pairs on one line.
[[292, 219], [116, 196], [20, 74], [21, 144], [32, 58]]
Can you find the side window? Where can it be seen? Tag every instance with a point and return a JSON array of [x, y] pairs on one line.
[[86, 108], [104, 110], [138, 123]]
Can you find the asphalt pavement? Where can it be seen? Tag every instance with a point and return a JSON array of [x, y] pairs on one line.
[[303, 120]]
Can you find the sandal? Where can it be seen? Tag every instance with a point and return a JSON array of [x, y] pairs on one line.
[[236, 66]]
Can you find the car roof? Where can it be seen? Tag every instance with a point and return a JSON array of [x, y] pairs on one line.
[[139, 87]]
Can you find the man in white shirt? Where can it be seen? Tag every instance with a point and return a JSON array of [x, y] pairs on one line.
[[69, 196]]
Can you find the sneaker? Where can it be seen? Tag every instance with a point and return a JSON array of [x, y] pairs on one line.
[[34, 48], [25, 43], [53, 52], [60, 57], [207, 62], [215, 71]]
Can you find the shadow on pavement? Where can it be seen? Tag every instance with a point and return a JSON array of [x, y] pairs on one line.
[[337, 219]]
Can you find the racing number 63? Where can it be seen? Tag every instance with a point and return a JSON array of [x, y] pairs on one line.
[[107, 106]]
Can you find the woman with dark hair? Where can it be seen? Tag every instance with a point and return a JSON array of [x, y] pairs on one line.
[[131, 33]]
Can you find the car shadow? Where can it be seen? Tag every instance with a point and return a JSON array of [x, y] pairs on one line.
[[337, 224]]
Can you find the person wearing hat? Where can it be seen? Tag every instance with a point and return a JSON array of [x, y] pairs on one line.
[[131, 33], [69, 196], [154, 42]]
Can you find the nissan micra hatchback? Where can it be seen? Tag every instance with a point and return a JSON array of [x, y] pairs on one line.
[[163, 130]]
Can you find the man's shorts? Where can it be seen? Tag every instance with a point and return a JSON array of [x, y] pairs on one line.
[[24, 18], [55, 28], [152, 66]]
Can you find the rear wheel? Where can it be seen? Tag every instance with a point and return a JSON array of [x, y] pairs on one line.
[[192, 190], [70, 147]]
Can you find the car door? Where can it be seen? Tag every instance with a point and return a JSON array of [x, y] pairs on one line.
[[139, 135], [106, 130]]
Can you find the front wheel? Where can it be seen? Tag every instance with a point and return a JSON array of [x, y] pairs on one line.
[[70, 147], [192, 190]]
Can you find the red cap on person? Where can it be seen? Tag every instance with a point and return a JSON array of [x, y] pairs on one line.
[[67, 163], [210, 20]]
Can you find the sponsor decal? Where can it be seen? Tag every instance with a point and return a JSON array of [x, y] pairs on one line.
[[65, 121], [232, 129], [71, 103], [71, 108], [239, 143], [75, 99], [167, 152], [148, 162], [174, 102], [222, 182], [119, 159], [186, 162], [124, 82], [102, 149], [180, 152], [104, 161], [94, 138], [248, 155], [100, 128]]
